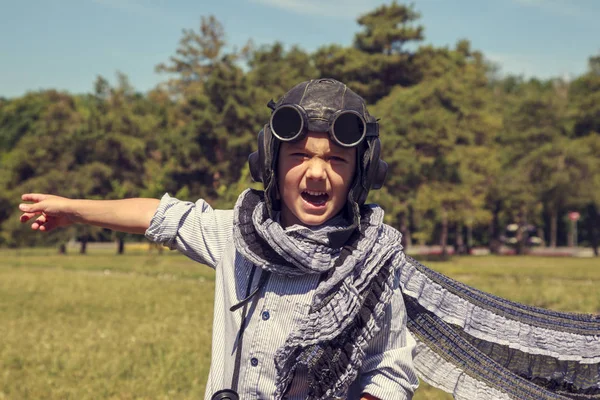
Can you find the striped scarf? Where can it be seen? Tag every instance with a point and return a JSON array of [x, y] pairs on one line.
[[349, 303]]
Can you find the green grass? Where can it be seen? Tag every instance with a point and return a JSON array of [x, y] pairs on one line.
[[103, 327], [138, 326]]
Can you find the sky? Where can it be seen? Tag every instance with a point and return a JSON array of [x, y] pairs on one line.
[[66, 44]]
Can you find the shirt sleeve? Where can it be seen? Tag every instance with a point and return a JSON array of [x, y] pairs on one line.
[[194, 229], [388, 371]]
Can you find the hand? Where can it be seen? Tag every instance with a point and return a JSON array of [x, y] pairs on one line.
[[52, 211], [367, 396]]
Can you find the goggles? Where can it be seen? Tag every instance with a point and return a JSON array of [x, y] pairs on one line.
[[347, 128]]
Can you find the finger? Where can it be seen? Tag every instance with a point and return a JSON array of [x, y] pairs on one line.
[[32, 207], [39, 223], [47, 224], [33, 197], [27, 216]]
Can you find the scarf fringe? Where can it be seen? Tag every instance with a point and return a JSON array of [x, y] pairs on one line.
[[537, 353]]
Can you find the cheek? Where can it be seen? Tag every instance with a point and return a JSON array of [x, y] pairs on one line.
[[280, 182], [346, 172], [344, 175], [287, 172]]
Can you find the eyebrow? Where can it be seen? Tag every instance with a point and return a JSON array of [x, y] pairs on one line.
[[333, 149], [340, 150], [295, 144]]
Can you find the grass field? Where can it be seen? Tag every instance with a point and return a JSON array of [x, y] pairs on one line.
[[137, 326]]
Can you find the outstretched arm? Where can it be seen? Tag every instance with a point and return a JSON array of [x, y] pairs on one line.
[[49, 211]]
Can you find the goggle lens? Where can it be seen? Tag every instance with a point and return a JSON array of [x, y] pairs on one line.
[[287, 123], [349, 129]]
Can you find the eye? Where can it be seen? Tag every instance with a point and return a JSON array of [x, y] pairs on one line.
[[338, 159], [299, 154]]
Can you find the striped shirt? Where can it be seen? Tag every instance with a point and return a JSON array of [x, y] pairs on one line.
[[205, 235]]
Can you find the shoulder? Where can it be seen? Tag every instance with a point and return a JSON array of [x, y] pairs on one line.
[[391, 235], [173, 208], [376, 231], [386, 233]]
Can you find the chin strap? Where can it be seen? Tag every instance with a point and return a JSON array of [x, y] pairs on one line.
[[337, 239]]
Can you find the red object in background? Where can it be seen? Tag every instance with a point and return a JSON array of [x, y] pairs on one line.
[[574, 215]]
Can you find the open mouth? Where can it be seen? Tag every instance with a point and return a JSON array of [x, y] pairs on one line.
[[315, 198]]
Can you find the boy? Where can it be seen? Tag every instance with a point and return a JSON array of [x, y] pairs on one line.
[[307, 299]]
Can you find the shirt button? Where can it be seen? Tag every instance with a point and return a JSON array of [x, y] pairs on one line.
[[266, 315], [254, 361]]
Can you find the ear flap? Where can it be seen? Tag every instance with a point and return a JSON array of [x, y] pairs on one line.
[[254, 161], [377, 167], [379, 179], [261, 167], [257, 160], [372, 172]]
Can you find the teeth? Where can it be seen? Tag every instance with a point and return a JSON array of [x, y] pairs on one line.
[[312, 193]]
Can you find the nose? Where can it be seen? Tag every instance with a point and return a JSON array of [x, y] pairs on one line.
[[316, 169]]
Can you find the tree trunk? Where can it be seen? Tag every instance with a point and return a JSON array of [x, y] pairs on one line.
[[494, 244], [62, 249], [459, 243], [121, 247], [444, 235], [572, 233], [594, 227], [553, 226], [540, 233], [404, 229], [522, 234], [83, 247], [469, 238]]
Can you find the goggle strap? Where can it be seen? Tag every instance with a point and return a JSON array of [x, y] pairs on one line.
[[272, 105], [372, 129]]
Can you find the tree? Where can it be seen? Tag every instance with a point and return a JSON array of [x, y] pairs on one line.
[[438, 138], [274, 70], [19, 116], [42, 161], [121, 136], [196, 57], [562, 173], [536, 120], [380, 57], [585, 98]]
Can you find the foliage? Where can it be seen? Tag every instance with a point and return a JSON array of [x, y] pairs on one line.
[[469, 152], [380, 58]]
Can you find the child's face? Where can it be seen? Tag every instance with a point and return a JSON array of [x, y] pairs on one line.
[[314, 176]]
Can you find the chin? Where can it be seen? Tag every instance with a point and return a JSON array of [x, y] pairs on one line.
[[316, 218], [307, 219], [299, 214], [313, 221]]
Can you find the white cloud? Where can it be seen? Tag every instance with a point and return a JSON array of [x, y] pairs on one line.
[[345, 9], [560, 7]]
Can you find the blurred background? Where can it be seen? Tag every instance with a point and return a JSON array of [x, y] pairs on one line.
[[490, 112], [490, 122]]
